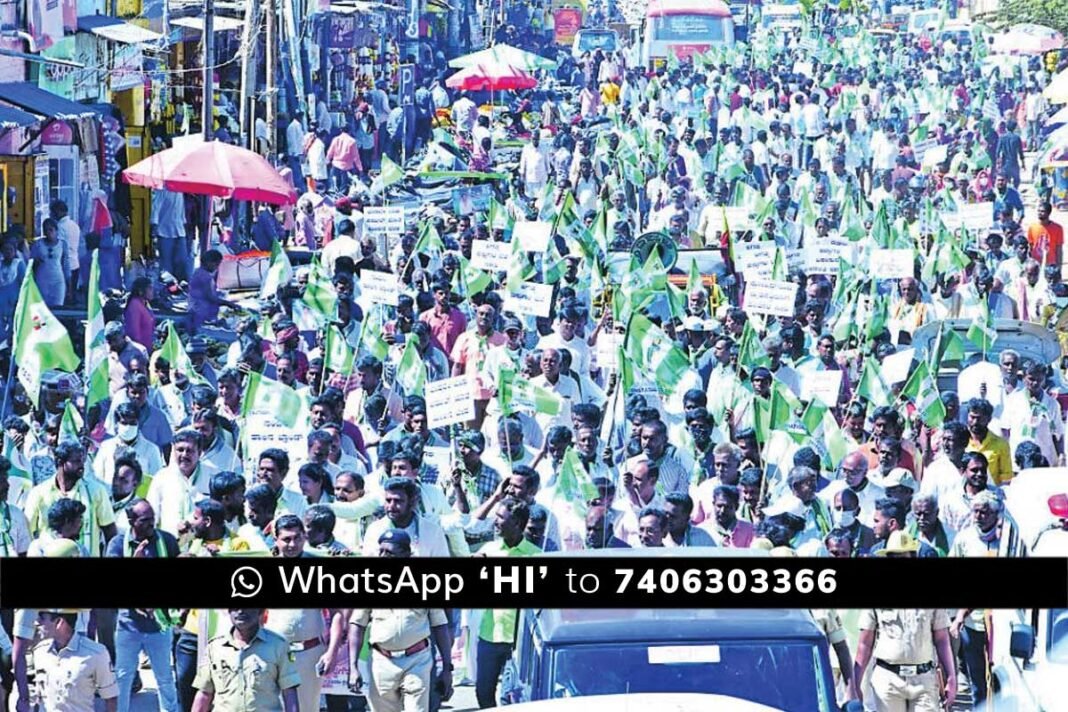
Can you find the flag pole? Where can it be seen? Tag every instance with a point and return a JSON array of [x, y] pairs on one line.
[[10, 383]]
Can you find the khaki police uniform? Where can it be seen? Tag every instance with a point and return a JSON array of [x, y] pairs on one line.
[[247, 679], [830, 623], [904, 675], [305, 631], [402, 655], [67, 680]]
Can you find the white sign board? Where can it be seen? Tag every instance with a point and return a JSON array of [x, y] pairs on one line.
[[891, 264], [383, 220], [738, 218], [822, 255], [379, 287], [449, 401], [533, 235], [920, 148], [439, 458], [262, 430], [491, 256], [822, 385], [977, 216], [530, 299], [763, 296], [608, 350], [754, 259]]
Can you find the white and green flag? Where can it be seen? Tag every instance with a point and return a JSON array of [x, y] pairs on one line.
[[270, 396], [922, 390], [517, 393], [338, 356], [96, 347], [174, 353], [391, 173], [278, 274], [652, 352], [41, 341], [411, 371]]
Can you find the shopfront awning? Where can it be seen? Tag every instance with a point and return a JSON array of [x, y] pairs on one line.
[[10, 117], [41, 102], [117, 30], [219, 24]]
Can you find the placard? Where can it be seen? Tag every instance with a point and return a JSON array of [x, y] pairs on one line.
[[531, 299], [533, 235], [920, 148], [439, 458], [754, 259], [891, 264], [379, 287], [775, 298], [977, 216], [822, 255], [491, 256], [822, 385], [380, 220], [449, 401], [607, 352]]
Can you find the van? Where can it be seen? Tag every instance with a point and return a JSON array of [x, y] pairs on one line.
[[777, 658], [1029, 660], [658, 702]]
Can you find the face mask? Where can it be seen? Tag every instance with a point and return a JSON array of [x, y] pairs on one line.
[[127, 433], [842, 518]]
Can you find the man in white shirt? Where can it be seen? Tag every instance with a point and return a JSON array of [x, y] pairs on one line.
[[565, 336], [176, 488], [533, 167], [1033, 414], [127, 438], [344, 244], [400, 495]]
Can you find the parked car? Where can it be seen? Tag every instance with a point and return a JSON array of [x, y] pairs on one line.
[[1029, 661], [591, 40]]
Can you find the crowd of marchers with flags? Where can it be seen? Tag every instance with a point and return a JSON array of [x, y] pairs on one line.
[[802, 294]]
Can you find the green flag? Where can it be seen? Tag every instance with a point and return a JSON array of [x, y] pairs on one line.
[[389, 174], [693, 282], [949, 346], [871, 385], [338, 356], [750, 350], [41, 341], [97, 387], [411, 371], [278, 274], [268, 395], [921, 389], [982, 332], [71, 424], [770, 414], [429, 240], [574, 486], [174, 353], [371, 331], [319, 294], [651, 351], [473, 280], [517, 393]]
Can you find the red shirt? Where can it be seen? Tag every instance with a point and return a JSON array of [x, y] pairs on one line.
[[1047, 242]]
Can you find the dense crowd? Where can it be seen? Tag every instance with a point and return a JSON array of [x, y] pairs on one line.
[[705, 330]]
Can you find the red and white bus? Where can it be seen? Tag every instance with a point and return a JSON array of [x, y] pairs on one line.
[[683, 28]]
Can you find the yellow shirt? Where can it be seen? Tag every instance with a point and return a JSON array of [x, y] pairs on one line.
[[998, 456]]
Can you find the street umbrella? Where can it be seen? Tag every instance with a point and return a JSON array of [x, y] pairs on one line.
[[504, 54], [1027, 38], [212, 168], [1058, 158], [1057, 90], [492, 77]]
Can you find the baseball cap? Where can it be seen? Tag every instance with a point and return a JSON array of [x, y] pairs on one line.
[[512, 323], [395, 536], [693, 323]]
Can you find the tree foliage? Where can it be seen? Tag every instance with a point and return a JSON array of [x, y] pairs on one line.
[[1051, 13]]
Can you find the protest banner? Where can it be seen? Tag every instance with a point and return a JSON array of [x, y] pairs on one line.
[[531, 299], [449, 401], [895, 367], [533, 235], [738, 219], [822, 385], [379, 287], [891, 264], [385, 224], [491, 256], [821, 255], [754, 259], [774, 298], [976, 216]]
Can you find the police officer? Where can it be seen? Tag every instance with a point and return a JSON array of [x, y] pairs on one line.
[[904, 644], [71, 669], [247, 669], [402, 659]]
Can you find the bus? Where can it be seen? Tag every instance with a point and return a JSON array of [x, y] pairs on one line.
[[683, 28]]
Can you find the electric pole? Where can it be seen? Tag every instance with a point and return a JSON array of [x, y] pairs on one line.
[[209, 69], [272, 62]]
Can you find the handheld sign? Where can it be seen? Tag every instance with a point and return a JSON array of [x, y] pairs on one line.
[[449, 401], [530, 299], [892, 264], [774, 298], [379, 287], [491, 256], [533, 235]]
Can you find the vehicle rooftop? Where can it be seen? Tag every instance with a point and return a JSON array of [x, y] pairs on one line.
[[674, 625]]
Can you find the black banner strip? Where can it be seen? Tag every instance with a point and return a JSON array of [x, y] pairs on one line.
[[550, 582]]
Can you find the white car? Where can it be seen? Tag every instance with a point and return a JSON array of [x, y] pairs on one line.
[[591, 40], [643, 702]]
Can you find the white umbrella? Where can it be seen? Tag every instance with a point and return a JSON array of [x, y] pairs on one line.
[[504, 54]]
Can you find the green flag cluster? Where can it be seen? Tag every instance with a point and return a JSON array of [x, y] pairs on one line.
[[41, 341]]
